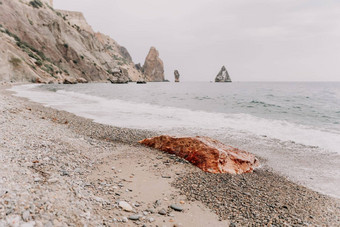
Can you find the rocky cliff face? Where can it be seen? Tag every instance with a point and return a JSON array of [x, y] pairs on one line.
[[223, 75], [153, 67], [41, 44]]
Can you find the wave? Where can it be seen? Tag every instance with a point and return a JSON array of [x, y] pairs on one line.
[[153, 117]]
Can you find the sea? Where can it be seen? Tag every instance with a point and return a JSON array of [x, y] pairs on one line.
[[293, 126]]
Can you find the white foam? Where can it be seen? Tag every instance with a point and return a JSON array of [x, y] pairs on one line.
[[146, 116]]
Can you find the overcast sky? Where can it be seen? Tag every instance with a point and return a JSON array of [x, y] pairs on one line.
[[257, 40]]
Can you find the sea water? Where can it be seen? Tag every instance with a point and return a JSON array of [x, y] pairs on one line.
[[294, 126]]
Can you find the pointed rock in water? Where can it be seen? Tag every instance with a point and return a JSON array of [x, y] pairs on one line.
[[223, 75], [125, 206], [153, 67], [176, 75], [208, 154]]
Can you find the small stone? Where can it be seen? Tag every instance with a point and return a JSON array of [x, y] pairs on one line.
[[158, 203], [124, 219], [162, 212], [151, 220], [64, 173], [37, 179], [134, 217], [26, 215], [152, 211], [53, 180], [125, 206], [176, 207], [182, 202]]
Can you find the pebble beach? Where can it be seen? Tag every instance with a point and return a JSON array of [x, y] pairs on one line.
[[58, 169]]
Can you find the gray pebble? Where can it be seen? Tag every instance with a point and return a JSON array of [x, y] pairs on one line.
[[26, 215], [176, 207], [134, 217], [124, 219], [162, 212]]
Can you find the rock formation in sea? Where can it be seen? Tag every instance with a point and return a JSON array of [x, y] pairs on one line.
[[176, 75], [223, 75], [153, 67], [208, 154], [45, 45]]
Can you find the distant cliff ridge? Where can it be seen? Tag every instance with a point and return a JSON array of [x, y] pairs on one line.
[[44, 45]]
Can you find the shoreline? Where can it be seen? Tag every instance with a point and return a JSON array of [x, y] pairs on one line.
[[97, 165]]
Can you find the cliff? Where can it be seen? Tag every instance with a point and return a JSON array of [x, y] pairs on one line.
[[41, 44]]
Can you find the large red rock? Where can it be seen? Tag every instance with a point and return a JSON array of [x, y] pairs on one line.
[[208, 154]]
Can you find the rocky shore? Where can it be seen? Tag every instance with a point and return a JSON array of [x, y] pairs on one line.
[[57, 169]]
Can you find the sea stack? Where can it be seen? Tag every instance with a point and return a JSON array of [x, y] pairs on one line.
[[176, 76], [223, 75], [153, 67]]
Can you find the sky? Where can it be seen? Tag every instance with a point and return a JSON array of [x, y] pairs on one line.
[[257, 40]]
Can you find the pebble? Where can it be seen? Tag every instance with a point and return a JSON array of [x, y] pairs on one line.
[[125, 206], [151, 220], [53, 180], [25, 215], [158, 203], [176, 207], [64, 173], [124, 219], [162, 212], [134, 217], [37, 179]]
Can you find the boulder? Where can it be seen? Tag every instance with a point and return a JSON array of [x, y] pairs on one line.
[[119, 76], [82, 80], [207, 154], [176, 76], [153, 67], [70, 80], [223, 75]]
